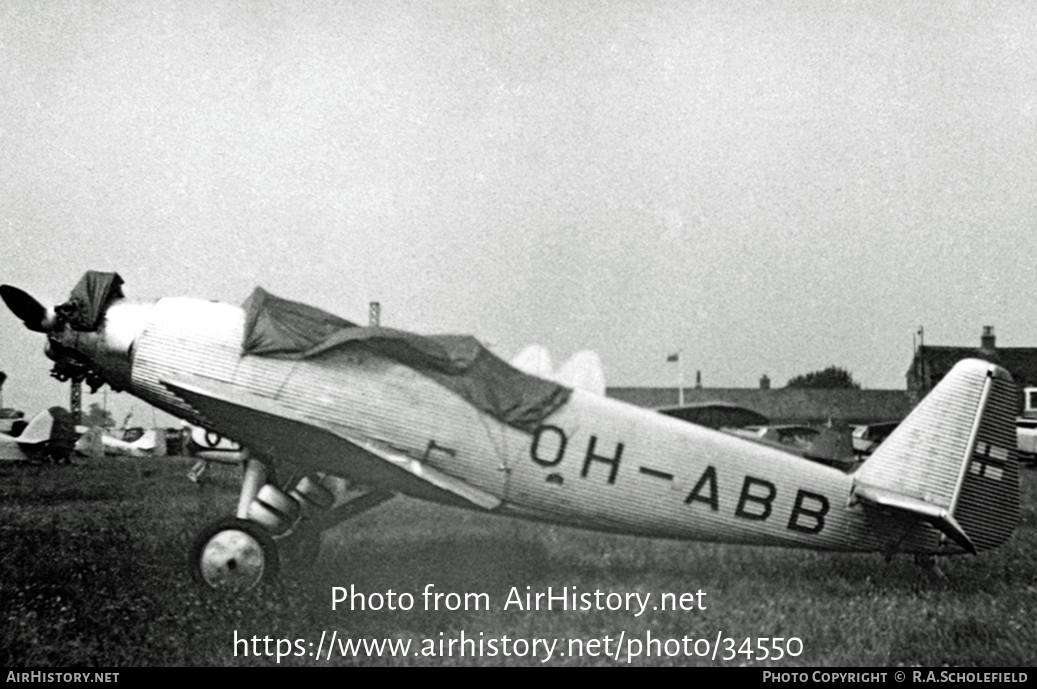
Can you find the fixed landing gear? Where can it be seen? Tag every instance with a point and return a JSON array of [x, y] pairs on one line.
[[246, 551], [273, 528]]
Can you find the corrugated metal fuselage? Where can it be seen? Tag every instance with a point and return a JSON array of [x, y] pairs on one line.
[[595, 462]]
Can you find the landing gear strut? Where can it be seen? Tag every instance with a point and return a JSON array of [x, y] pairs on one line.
[[271, 528]]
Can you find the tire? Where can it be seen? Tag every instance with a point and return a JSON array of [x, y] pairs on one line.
[[233, 555]]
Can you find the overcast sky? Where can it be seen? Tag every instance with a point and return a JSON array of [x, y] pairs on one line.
[[769, 187]]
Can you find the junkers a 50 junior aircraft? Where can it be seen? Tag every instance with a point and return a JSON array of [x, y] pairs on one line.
[[310, 395]]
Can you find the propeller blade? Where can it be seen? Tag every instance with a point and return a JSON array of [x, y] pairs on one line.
[[22, 304]]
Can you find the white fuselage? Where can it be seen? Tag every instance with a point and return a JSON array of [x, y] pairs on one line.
[[594, 462]]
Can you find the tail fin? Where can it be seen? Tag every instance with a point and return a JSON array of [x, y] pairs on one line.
[[38, 430], [534, 360], [953, 461], [833, 445], [583, 371]]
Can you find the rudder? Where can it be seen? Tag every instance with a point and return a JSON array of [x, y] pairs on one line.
[[953, 461]]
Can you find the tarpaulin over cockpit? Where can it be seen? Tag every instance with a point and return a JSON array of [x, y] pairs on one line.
[[281, 328]]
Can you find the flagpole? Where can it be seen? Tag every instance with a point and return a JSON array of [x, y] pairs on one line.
[[680, 378], [678, 356]]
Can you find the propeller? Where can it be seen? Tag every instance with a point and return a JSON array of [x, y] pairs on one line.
[[35, 315]]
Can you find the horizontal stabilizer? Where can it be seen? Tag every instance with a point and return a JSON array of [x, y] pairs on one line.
[[927, 512]]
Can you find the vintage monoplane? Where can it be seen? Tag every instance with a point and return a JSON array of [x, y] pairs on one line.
[[50, 435], [311, 396]]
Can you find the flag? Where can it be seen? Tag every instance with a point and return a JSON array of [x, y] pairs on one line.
[[673, 357]]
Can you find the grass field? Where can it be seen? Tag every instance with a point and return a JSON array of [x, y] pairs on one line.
[[93, 573]]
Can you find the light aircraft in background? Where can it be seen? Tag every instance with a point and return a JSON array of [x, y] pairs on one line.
[[12, 421], [717, 415], [208, 446], [49, 436], [312, 395], [867, 438], [97, 441], [582, 371], [830, 445]]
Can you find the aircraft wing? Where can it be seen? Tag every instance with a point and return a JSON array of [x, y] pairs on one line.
[[268, 428], [717, 415]]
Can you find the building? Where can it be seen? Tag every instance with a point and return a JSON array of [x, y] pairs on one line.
[[812, 407], [931, 363], [815, 407]]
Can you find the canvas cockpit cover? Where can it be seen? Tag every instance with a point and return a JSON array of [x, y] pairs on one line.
[[89, 299], [281, 328]]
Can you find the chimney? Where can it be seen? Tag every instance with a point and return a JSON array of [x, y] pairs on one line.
[[698, 380], [765, 382], [986, 343]]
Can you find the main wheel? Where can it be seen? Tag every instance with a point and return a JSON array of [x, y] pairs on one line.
[[233, 555]]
